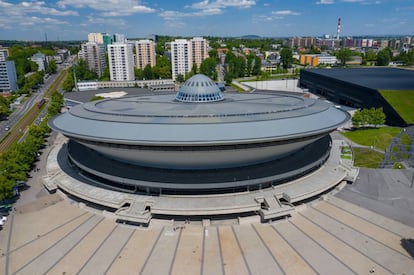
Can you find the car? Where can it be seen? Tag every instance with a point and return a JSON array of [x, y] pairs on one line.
[[3, 220], [6, 128]]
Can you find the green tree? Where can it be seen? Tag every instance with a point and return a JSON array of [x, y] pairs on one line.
[[51, 67], [286, 57], [344, 55], [163, 67], [83, 72], [249, 64], [69, 83], [384, 57], [139, 74], [208, 67], [371, 55], [147, 72], [377, 117], [180, 78], [213, 54], [257, 67], [407, 57]]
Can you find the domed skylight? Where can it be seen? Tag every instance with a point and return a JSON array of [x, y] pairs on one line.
[[199, 88]]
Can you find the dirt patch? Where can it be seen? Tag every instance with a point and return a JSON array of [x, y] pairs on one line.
[[42, 202]]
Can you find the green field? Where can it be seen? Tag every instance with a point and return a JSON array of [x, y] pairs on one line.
[[368, 158], [379, 138], [402, 102]]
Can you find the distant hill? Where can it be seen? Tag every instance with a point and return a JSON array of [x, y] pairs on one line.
[[250, 36]]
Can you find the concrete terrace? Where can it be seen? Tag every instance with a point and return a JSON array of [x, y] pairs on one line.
[[325, 237], [270, 203]]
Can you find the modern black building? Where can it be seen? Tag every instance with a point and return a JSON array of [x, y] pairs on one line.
[[359, 87]]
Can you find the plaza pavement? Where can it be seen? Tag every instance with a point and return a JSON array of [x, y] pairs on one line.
[[327, 236], [51, 234]]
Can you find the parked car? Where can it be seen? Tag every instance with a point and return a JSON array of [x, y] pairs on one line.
[[3, 220]]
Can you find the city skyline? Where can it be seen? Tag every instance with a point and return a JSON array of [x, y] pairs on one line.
[[74, 19]]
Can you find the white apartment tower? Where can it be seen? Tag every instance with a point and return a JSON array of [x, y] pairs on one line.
[[181, 58], [94, 54], [121, 61], [184, 53], [144, 53]]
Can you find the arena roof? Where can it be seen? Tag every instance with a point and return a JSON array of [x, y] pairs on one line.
[[374, 78], [159, 119]]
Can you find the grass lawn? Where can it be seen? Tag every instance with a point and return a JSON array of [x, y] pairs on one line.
[[405, 139], [367, 158], [398, 165], [402, 102], [379, 138]]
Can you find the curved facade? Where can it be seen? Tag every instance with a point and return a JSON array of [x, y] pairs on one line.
[[200, 128]]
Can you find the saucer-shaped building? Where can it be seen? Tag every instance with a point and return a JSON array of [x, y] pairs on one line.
[[200, 140]]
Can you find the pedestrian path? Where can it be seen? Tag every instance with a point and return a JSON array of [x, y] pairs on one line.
[[329, 236]]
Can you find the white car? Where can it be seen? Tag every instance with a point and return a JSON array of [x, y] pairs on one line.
[[3, 220]]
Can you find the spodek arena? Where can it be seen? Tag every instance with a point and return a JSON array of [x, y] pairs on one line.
[[198, 153]]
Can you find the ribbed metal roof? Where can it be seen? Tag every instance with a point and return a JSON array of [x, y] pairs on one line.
[[161, 120], [199, 88]]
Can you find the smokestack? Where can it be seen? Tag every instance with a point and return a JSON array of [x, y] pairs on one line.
[[338, 30]]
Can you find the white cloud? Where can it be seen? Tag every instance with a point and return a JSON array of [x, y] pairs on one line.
[[285, 12], [220, 4], [109, 7], [325, 2], [265, 18], [206, 8], [34, 7], [31, 13]]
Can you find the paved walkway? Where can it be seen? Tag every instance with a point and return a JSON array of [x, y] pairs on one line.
[[330, 236], [397, 152]]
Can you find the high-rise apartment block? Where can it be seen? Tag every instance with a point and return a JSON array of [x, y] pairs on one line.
[[198, 50], [180, 57], [100, 38], [94, 54], [4, 53], [121, 61], [185, 53], [144, 53], [8, 76]]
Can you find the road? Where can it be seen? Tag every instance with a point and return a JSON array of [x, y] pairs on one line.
[[24, 115]]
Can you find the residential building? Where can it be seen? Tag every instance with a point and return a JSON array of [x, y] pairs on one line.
[[119, 38], [94, 54], [185, 53], [4, 53], [40, 60], [8, 76], [100, 38], [181, 58], [144, 53], [121, 61], [198, 50]]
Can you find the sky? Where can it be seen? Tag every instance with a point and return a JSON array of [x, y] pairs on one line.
[[74, 19]]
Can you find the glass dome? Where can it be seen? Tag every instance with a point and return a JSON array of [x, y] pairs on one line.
[[199, 88]]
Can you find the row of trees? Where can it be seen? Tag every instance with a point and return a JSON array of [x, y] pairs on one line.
[[380, 58], [19, 159], [21, 57], [4, 106], [368, 117]]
